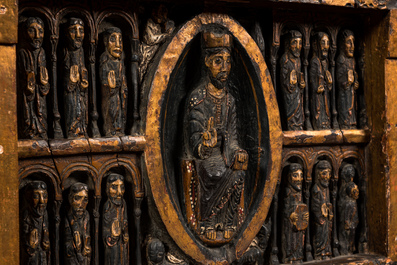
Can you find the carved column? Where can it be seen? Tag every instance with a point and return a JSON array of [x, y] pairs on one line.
[[94, 131], [306, 49], [57, 116], [306, 194], [57, 207], [273, 52], [137, 215], [363, 241], [135, 81], [335, 124], [335, 243], [96, 214], [274, 254]]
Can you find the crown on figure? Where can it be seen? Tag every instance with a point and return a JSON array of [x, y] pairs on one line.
[[219, 39]]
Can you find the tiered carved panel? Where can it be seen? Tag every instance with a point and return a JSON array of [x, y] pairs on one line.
[[189, 111]]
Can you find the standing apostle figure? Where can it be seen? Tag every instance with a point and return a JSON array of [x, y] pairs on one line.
[[35, 232], [347, 82], [320, 83], [322, 212], [77, 227], [295, 217], [115, 222], [114, 84], [75, 81], [292, 81], [212, 140], [33, 82]]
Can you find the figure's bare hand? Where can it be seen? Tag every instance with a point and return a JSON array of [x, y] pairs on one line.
[[306, 217], [210, 135], [356, 85], [293, 217], [328, 77], [112, 79], [242, 156], [77, 240], [34, 239], [302, 83], [116, 229], [293, 78], [126, 238], [320, 89], [350, 77]]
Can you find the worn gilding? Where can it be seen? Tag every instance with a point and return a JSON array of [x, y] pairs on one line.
[[154, 162]]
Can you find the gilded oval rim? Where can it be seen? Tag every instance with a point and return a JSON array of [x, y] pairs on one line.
[[153, 156]]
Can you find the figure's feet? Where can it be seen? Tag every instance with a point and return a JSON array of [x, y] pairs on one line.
[[229, 232], [210, 233]]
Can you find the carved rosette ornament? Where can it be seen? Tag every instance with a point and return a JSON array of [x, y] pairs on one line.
[[220, 205]]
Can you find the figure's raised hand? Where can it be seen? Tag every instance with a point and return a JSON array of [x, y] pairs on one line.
[[116, 229], [210, 135]]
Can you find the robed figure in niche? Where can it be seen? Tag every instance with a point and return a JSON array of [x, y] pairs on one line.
[[320, 83], [33, 82], [211, 131], [114, 84], [295, 217], [292, 81], [115, 222], [347, 81], [322, 211], [77, 227], [75, 81], [35, 232]]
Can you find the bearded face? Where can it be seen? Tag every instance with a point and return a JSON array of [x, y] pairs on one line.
[[115, 45], [295, 46], [116, 191], [349, 46], [295, 179], [39, 201], [76, 36], [219, 65], [324, 47], [79, 203], [324, 176], [35, 35]]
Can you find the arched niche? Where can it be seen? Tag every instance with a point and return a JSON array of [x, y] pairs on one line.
[[128, 26], [167, 90], [25, 202]]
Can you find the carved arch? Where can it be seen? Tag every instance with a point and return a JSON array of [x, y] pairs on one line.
[[46, 12], [129, 166], [85, 15], [74, 167], [49, 172], [130, 19]]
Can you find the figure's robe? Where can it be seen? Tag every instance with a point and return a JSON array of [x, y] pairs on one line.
[[74, 256], [346, 94], [34, 85], [116, 250], [291, 92], [75, 94], [320, 103], [114, 95], [220, 186]]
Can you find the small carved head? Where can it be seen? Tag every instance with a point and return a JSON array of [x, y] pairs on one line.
[[38, 197], [114, 42], [321, 44], [347, 172], [160, 14], [75, 33], [352, 191], [295, 176], [155, 251], [78, 198], [35, 31], [217, 45], [294, 43], [115, 188], [348, 43], [323, 173]]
